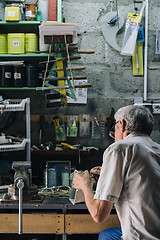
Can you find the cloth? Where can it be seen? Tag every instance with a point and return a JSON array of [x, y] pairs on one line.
[[110, 234], [130, 178]]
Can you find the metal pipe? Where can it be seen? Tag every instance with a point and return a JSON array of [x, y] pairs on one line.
[[146, 52], [59, 11], [28, 134], [20, 186]]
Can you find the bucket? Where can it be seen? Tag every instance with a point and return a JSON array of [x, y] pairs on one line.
[[31, 43], [32, 75], [30, 11], [40, 75], [15, 43], [3, 43], [6, 76], [19, 76]]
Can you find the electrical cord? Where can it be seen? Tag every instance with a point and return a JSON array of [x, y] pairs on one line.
[[56, 191]]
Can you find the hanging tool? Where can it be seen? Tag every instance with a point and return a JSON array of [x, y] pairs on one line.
[[59, 129], [61, 81], [78, 68], [85, 85], [63, 50], [137, 59], [113, 20], [56, 121], [63, 59], [41, 128], [66, 78]]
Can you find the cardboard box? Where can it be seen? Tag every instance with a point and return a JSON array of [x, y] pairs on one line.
[[12, 13]]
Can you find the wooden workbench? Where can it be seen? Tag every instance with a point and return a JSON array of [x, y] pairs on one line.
[[53, 216]]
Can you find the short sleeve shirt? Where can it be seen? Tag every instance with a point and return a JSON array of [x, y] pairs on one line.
[[130, 178]]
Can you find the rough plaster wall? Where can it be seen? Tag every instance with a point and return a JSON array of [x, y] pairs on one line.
[[109, 72], [113, 84]]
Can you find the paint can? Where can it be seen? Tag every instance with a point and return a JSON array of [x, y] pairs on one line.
[[19, 76], [30, 11], [6, 76]]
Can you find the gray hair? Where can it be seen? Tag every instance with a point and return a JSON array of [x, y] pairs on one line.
[[136, 118]]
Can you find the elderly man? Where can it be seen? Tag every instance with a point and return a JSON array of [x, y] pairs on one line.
[[129, 178]]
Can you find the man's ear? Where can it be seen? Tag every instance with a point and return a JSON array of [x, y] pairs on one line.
[[123, 125]]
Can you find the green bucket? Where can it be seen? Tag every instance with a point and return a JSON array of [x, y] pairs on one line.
[[3, 43]]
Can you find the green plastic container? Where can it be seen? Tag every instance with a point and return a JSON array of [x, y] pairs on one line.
[[15, 43], [3, 43], [31, 43]]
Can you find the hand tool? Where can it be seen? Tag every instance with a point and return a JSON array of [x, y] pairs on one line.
[[60, 74], [85, 85], [41, 129], [65, 78], [63, 59], [63, 50], [78, 68]]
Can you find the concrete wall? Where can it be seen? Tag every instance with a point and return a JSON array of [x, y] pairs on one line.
[[109, 72]]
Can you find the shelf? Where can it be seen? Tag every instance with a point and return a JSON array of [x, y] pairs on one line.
[[18, 88], [13, 105], [63, 152], [24, 55], [14, 147]]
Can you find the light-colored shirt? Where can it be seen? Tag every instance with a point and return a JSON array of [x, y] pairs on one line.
[[130, 178]]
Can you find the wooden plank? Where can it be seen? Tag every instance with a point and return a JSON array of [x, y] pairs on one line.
[[32, 223], [83, 223]]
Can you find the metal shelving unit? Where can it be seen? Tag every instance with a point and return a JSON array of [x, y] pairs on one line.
[[18, 105]]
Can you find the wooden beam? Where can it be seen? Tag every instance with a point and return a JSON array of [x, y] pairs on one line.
[[83, 223], [32, 223]]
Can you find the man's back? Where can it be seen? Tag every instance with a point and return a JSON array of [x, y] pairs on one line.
[[138, 205]]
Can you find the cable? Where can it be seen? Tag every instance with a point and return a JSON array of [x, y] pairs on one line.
[[58, 191]]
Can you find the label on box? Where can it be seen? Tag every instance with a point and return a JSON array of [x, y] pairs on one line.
[[15, 43], [7, 74], [29, 14], [17, 75], [11, 13]]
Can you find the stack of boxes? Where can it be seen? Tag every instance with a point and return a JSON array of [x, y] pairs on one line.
[[18, 43]]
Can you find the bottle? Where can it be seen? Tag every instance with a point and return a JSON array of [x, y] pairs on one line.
[[73, 129], [65, 177], [38, 14], [52, 178]]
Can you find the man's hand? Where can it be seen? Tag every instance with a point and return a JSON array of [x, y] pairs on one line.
[[95, 172], [99, 209], [82, 180]]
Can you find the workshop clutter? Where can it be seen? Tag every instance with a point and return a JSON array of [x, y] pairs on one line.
[[73, 126], [18, 43], [45, 10]]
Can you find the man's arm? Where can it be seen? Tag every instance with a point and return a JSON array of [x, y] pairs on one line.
[[99, 209]]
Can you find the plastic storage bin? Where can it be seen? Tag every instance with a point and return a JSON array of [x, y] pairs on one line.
[[31, 42], [15, 43], [3, 43]]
